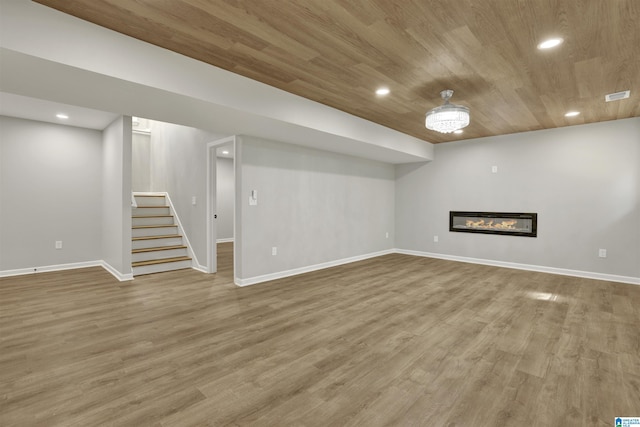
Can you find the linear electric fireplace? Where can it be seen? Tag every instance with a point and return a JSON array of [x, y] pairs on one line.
[[509, 223]]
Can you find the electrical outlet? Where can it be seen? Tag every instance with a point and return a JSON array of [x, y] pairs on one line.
[[494, 169], [193, 200], [274, 250], [386, 235], [602, 253], [58, 244], [435, 239]]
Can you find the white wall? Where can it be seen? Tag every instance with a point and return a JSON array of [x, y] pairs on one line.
[[116, 196], [314, 206], [225, 195], [583, 181], [179, 167], [141, 162], [50, 189]]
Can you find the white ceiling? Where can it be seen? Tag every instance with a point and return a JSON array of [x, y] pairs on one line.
[[24, 107], [225, 151]]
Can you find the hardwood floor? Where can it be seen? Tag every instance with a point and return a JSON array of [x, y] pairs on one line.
[[396, 340]]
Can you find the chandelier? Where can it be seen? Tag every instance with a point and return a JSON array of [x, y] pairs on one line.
[[447, 117]]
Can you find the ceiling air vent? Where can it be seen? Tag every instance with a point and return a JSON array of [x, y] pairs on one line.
[[617, 96]]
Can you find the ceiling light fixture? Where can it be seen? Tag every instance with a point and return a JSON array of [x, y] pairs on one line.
[[448, 117], [225, 152], [62, 116], [572, 114], [548, 44], [383, 91], [459, 131]]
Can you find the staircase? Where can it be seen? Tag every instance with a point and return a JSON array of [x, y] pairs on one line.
[[156, 242]]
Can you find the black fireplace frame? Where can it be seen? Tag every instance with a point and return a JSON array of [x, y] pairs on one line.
[[494, 216]]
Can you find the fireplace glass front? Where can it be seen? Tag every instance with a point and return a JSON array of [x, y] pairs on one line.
[[508, 223]]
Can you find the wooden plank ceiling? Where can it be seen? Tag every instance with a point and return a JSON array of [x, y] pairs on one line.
[[338, 52]]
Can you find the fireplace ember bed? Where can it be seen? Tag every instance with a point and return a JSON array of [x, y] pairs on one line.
[[507, 223]]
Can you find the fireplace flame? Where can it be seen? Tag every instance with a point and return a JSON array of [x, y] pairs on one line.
[[509, 224]]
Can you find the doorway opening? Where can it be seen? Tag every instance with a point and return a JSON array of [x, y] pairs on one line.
[[221, 206]]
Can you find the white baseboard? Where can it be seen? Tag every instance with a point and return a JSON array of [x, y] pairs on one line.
[[71, 266], [282, 274], [294, 272], [527, 267], [224, 240], [200, 268], [115, 273]]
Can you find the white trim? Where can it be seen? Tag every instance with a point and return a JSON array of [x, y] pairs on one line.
[[48, 268], [273, 276], [229, 240], [200, 268], [294, 272], [149, 193], [527, 267], [192, 254], [115, 273], [211, 200], [71, 266]]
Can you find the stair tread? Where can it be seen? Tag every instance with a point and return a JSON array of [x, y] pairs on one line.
[[158, 248], [155, 226], [148, 195], [151, 216], [160, 261], [166, 236], [154, 207]]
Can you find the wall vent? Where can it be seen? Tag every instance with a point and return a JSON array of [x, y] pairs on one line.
[[617, 96]]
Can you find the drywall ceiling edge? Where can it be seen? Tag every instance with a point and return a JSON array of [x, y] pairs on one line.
[[38, 78]]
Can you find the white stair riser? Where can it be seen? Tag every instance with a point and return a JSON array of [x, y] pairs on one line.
[[152, 243], [153, 221], [169, 253], [157, 268], [154, 231], [150, 211], [150, 201]]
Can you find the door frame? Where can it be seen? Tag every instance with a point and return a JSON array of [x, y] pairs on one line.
[[212, 146]]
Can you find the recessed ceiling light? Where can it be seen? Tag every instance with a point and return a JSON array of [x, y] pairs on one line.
[[458, 131], [225, 152], [548, 44], [572, 113], [62, 116], [383, 91]]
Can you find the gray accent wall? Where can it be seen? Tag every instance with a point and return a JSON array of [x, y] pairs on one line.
[[179, 167], [50, 190], [313, 206], [583, 181], [116, 195], [225, 193]]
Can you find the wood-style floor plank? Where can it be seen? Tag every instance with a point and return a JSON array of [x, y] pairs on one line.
[[395, 340]]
